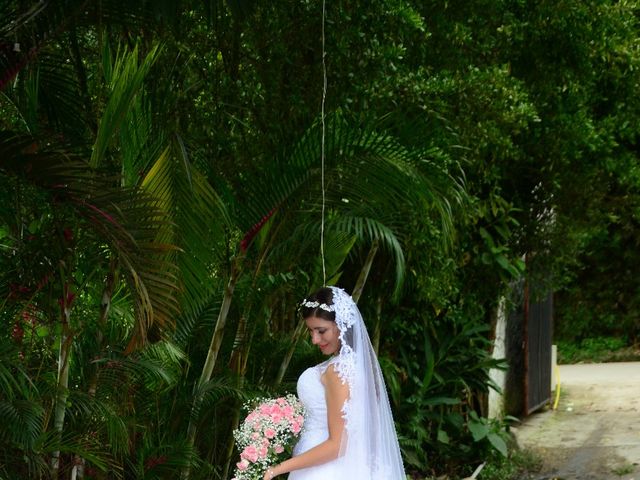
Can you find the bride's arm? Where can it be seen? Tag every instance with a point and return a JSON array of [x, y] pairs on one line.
[[336, 393]]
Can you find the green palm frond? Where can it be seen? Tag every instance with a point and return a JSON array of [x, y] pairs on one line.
[[374, 186], [149, 375], [372, 229], [199, 319], [164, 461], [57, 97], [31, 465], [83, 446], [125, 219], [217, 389], [370, 165], [155, 369], [98, 416], [125, 81], [199, 217], [22, 422], [337, 244], [160, 364], [299, 245], [14, 380]]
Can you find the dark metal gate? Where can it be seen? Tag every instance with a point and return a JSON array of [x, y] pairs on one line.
[[538, 326]]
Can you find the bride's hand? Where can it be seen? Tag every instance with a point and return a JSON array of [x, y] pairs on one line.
[[270, 473]]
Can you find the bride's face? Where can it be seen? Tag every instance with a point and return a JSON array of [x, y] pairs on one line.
[[325, 334]]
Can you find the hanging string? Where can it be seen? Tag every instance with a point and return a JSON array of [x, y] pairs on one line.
[[324, 96]]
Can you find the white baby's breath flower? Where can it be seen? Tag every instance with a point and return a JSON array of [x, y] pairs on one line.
[[267, 432]]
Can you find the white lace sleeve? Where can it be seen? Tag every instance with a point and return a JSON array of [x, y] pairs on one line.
[[345, 367]]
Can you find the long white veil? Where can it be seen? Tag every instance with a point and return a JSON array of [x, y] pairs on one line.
[[369, 447]]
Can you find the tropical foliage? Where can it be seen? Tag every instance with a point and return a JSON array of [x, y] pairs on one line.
[[161, 211]]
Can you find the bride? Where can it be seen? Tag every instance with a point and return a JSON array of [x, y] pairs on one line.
[[348, 431]]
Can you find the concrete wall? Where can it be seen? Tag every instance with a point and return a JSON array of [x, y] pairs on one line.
[[496, 400]]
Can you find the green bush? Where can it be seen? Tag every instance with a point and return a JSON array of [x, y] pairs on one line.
[[597, 349], [520, 465]]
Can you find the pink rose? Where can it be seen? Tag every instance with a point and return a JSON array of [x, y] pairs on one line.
[[250, 453], [295, 427], [269, 433], [276, 413], [242, 465], [278, 449], [262, 453]]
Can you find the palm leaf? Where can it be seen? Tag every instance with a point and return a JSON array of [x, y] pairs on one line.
[[371, 181], [97, 416], [199, 217], [14, 380], [22, 422], [124, 81], [126, 219], [359, 161], [81, 446]]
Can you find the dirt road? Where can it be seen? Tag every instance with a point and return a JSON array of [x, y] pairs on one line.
[[595, 432]]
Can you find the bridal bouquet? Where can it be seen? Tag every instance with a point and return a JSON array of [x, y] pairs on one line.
[[266, 434]]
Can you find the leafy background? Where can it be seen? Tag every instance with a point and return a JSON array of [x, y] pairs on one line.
[[160, 212]]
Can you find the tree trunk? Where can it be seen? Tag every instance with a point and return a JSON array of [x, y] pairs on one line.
[[105, 306], [284, 365], [238, 364], [218, 333], [364, 273], [77, 472], [62, 390], [377, 327], [212, 355]]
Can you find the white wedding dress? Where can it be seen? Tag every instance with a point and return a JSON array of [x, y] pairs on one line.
[[369, 447], [315, 429]]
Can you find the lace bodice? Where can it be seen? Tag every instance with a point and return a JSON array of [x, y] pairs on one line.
[[311, 394]]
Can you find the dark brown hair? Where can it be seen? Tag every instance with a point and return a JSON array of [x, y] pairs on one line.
[[322, 295]]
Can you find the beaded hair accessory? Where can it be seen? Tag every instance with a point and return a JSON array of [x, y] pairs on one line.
[[323, 306]]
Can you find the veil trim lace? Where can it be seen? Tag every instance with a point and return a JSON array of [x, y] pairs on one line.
[[369, 446]]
